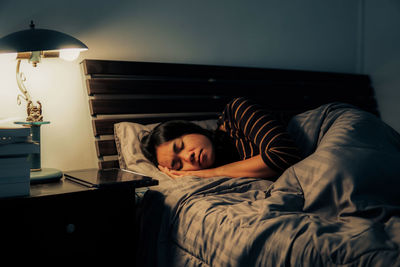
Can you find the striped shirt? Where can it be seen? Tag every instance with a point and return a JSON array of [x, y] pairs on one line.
[[255, 131]]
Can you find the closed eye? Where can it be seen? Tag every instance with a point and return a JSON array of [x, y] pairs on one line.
[[176, 165], [178, 148]]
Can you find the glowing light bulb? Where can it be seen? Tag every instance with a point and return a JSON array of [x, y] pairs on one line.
[[70, 54]]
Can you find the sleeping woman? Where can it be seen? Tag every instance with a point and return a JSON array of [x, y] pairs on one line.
[[248, 142]]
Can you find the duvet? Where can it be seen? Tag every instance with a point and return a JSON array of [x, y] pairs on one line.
[[340, 205]]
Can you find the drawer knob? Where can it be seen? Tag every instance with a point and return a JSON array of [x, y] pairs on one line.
[[70, 228]]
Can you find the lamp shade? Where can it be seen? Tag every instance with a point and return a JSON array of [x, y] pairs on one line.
[[38, 40]]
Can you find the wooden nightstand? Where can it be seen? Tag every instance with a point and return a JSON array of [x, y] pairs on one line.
[[66, 220]]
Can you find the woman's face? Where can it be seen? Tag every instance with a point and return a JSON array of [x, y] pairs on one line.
[[189, 152]]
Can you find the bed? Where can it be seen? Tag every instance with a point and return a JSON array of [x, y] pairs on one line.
[[337, 206]]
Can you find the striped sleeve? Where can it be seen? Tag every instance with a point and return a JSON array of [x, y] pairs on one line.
[[254, 125]]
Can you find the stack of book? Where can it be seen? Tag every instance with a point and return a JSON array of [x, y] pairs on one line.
[[15, 146]]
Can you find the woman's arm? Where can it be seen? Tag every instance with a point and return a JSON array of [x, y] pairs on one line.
[[252, 167]]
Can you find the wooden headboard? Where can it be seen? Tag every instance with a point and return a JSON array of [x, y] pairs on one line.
[[145, 92]]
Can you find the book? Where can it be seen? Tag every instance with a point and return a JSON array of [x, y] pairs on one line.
[[109, 177], [14, 169], [14, 176], [14, 139], [15, 146], [15, 134], [7, 131], [23, 148], [15, 189]]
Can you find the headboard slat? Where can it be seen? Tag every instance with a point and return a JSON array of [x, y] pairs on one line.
[[187, 104], [205, 87], [105, 148], [104, 68], [108, 164], [141, 106]]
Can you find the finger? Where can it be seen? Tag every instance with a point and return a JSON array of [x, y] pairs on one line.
[[175, 173], [180, 173], [167, 171], [164, 169], [161, 167]]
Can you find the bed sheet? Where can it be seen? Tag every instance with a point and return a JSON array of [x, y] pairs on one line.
[[338, 206]]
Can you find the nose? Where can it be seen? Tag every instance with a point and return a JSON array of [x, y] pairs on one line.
[[189, 157]]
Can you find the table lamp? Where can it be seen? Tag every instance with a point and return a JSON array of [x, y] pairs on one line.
[[33, 45]]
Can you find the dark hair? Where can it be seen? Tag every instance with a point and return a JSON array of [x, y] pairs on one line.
[[225, 151]]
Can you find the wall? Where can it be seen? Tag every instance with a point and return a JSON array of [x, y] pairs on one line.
[[382, 55], [312, 35]]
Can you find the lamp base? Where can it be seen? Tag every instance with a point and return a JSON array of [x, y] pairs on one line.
[[45, 175]]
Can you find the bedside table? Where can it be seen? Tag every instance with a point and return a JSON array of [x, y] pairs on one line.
[[66, 220]]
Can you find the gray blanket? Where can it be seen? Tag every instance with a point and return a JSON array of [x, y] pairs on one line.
[[340, 205]]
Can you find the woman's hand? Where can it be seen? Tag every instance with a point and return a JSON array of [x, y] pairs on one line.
[[205, 173]]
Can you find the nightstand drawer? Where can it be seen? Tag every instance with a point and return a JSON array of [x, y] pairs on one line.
[[87, 224], [83, 222], [64, 223]]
